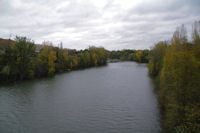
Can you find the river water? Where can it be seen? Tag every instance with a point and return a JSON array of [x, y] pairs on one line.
[[117, 98]]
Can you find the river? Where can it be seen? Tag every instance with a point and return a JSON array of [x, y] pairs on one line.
[[117, 98]]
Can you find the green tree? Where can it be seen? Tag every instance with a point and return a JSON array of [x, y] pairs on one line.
[[156, 58], [196, 38], [24, 50], [51, 62], [177, 66]]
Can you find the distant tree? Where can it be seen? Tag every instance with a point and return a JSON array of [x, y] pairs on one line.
[[51, 63], [144, 56], [138, 55]]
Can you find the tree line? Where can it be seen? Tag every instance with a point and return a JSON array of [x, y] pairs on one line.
[[23, 59], [175, 66], [140, 56]]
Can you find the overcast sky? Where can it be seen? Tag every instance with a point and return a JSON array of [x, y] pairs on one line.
[[113, 24]]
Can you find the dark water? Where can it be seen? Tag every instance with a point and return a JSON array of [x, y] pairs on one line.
[[117, 98]]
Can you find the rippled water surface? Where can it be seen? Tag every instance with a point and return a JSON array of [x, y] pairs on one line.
[[117, 98]]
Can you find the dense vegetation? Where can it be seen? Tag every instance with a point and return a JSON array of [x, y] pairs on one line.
[[130, 55], [175, 65], [22, 59]]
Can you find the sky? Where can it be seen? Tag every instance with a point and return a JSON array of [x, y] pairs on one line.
[[112, 24]]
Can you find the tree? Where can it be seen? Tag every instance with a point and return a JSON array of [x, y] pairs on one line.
[[42, 61], [156, 58], [24, 50], [144, 56], [196, 38], [6, 72], [180, 38], [31, 68], [196, 33], [177, 68], [180, 85], [138, 55], [46, 60], [51, 62], [60, 61]]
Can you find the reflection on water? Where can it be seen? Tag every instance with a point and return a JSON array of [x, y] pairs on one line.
[[117, 98]]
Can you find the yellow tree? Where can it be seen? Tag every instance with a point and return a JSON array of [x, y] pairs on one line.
[[75, 61], [43, 55], [87, 56], [51, 62], [94, 58], [46, 59], [138, 55]]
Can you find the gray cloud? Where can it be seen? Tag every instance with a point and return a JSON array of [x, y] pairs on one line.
[[114, 24]]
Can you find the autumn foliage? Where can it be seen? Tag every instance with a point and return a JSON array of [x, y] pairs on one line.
[[25, 60], [176, 69]]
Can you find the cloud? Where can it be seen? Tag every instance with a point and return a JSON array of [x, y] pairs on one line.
[[113, 24]]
